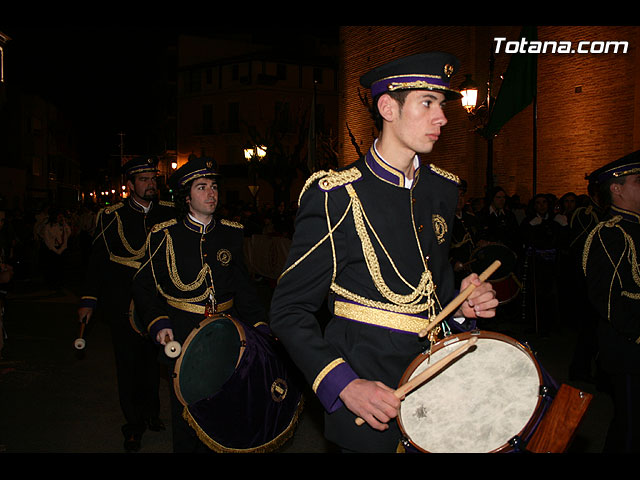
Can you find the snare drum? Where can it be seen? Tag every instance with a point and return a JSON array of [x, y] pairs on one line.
[[504, 280], [237, 387], [488, 400]]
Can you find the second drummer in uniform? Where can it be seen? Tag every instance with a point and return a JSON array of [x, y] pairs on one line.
[[376, 236], [194, 267], [118, 246]]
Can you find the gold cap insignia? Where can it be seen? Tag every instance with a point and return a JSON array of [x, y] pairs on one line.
[[448, 70]]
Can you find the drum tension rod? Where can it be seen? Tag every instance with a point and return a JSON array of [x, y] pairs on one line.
[[517, 444]]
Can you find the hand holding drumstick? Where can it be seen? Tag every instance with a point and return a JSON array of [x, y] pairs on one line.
[[429, 372], [483, 305], [473, 307]]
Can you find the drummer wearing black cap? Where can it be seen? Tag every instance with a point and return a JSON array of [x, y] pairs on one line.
[[117, 248], [376, 236], [610, 264], [196, 263]]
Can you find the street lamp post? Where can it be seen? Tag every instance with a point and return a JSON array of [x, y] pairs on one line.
[[469, 91], [254, 155]]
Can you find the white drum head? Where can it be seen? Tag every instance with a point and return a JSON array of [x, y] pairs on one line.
[[477, 403]]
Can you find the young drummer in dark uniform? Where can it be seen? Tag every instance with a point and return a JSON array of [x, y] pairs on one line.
[[196, 265], [610, 263], [118, 246], [375, 235]]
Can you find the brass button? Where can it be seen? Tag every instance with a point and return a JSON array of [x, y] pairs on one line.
[[413, 200], [420, 228]]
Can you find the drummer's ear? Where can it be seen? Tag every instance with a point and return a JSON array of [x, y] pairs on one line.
[[614, 188], [386, 106]]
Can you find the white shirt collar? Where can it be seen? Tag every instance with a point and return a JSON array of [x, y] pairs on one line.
[[146, 209], [408, 183], [198, 221]]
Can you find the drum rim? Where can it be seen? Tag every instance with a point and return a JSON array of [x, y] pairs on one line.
[[132, 321], [446, 341], [512, 276], [495, 244], [189, 339]]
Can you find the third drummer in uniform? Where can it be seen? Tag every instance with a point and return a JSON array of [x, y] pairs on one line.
[[376, 237], [610, 266], [194, 267]]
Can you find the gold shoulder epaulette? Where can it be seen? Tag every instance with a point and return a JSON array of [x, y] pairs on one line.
[[328, 180], [335, 179], [166, 203], [611, 222], [113, 208], [445, 174], [230, 223], [161, 226]]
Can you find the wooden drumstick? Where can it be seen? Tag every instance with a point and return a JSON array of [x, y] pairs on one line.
[[462, 296], [172, 348], [429, 372], [79, 342]]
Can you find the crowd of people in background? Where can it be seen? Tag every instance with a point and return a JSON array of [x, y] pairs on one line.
[[45, 245], [538, 286], [538, 245], [33, 242], [36, 244]]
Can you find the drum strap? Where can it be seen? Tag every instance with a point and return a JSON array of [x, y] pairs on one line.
[[380, 318], [200, 309]]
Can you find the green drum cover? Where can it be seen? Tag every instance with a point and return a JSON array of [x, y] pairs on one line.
[[209, 360]]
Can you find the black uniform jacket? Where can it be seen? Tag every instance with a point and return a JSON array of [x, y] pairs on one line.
[[186, 266], [610, 263], [118, 246], [365, 238]]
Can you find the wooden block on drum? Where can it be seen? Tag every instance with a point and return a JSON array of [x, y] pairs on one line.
[[558, 426]]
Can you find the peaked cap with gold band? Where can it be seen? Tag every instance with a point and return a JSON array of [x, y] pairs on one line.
[[194, 168], [142, 164], [627, 165], [424, 71]]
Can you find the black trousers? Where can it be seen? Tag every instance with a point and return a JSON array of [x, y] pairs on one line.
[[137, 367], [624, 431]]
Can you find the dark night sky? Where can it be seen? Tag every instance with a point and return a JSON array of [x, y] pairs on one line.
[[100, 75]]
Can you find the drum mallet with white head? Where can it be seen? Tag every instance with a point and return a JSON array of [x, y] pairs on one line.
[[172, 348], [79, 342]]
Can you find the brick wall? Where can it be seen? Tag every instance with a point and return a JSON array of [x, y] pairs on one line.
[[587, 106]]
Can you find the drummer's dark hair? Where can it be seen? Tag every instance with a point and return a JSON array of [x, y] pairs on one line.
[[398, 95], [180, 195]]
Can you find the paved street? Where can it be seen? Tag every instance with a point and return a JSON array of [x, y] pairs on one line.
[[54, 400]]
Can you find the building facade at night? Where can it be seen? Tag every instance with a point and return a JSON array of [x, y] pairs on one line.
[[38, 152], [236, 92]]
